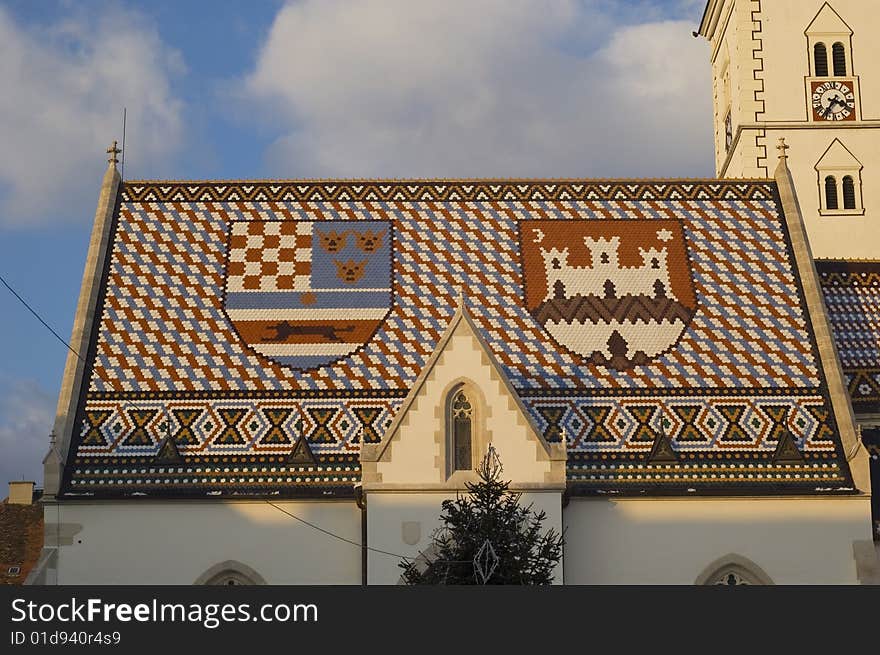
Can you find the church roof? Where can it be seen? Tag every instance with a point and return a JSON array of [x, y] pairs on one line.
[[251, 335], [852, 298]]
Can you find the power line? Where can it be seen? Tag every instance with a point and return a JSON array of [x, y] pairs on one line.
[[336, 536], [40, 319], [280, 509]]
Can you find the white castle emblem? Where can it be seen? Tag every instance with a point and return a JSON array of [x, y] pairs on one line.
[[612, 314], [605, 277]]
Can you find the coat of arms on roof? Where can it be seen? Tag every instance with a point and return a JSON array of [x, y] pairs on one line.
[[618, 293], [307, 293]]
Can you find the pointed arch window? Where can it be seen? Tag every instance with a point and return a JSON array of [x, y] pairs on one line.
[[838, 57], [728, 131], [831, 193], [462, 424], [820, 60], [733, 571], [849, 193]]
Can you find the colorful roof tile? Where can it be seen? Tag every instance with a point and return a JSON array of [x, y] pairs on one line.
[[245, 322], [852, 298]]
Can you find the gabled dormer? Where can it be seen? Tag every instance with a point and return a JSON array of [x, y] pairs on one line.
[[840, 181], [461, 403]]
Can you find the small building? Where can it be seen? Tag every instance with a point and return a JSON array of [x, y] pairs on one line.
[[21, 532]]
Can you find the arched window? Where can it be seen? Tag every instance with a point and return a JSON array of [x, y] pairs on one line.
[[730, 577], [733, 570], [849, 193], [229, 579], [461, 422], [820, 57], [830, 193], [229, 574], [838, 55]]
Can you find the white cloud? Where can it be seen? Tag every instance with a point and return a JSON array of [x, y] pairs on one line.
[[27, 412], [64, 87], [495, 88]]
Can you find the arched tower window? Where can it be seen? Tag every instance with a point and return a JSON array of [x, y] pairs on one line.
[[820, 58], [462, 422], [838, 56], [849, 193], [831, 193]]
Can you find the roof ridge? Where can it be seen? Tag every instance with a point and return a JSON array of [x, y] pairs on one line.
[[460, 180]]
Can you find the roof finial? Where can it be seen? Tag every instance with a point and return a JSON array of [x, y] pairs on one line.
[[112, 151], [782, 148]]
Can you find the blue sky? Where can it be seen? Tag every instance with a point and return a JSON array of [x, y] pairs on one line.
[[311, 88]]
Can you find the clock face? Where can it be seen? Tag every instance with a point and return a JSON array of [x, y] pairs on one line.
[[833, 101]]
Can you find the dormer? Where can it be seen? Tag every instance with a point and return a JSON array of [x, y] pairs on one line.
[[830, 44], [840, 182]]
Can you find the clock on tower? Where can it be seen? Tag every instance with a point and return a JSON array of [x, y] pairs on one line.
[[833, 100]]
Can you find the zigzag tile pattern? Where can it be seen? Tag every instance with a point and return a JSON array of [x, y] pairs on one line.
[[852, 297], [167, 362]]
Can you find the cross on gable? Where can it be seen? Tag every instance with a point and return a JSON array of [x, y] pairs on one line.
[[112, 151], [782, 148]]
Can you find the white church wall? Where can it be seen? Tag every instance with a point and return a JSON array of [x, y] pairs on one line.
[[848, 234], [403, 523], [798, 540], [175, 542]]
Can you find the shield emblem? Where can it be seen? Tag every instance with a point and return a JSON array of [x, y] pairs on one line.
[[618, 293], [307, 293]]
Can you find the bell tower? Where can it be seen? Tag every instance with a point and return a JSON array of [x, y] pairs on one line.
[[808, 71]]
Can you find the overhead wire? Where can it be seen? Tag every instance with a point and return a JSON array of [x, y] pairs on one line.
[[280, 509]]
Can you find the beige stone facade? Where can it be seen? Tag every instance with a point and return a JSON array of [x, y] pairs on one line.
[[764, 65]]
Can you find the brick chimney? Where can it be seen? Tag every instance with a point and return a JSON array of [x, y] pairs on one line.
[[21, 492]]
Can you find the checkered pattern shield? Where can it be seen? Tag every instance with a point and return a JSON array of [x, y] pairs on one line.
[[307, 293]]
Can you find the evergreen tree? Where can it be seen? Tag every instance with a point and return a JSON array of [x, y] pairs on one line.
[[488, 538]]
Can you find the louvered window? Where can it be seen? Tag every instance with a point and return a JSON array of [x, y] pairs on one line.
[[838, 54], [849, 193], [830, 193], [820, 57]]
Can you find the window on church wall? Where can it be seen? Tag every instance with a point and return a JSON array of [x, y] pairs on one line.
[[728, 131], [849, 193], [838, 56], [831, 193], [820, 59], [734, 572], [461, 423], [230, 579], [730, 578], [840, 181]]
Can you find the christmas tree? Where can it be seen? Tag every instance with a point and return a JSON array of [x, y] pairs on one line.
[[487, 537]]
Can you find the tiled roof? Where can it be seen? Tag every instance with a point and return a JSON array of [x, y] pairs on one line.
[[238, 317], [852, 297], [21, 539]]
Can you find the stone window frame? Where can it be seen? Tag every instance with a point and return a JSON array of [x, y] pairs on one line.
[[230, 572], [732, 564], [839, 173], [481, 436]]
